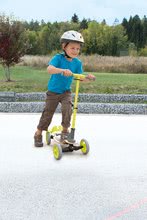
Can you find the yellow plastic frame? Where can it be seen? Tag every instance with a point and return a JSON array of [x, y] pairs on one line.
[[77, 77]]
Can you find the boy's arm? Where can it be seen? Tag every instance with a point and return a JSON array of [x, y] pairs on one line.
[[88, 77], [54, 70]]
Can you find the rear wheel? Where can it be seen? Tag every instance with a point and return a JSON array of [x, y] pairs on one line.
[[85, 146]]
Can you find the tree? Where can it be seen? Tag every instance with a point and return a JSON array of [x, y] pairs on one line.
[[33, 39], [137, 32], [75, 18], [103, 22], [125, 24], [84, 24], [103, 39], [116, 22], [34, 25], [44, 35], [13, 42], [144, 31]]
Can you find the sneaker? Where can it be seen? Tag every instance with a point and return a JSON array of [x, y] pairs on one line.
[[38, 140], [64, 136]]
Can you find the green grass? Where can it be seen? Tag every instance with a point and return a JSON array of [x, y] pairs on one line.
[[24, 79], [29, 79]]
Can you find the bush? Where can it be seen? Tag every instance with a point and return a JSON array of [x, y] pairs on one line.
[[143, 52]]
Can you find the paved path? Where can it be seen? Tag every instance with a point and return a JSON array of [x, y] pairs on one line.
[[109, 183]]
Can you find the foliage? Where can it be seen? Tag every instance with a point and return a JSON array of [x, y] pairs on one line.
[[84, 24], [132, 50], [136, 30], [103, 39], [143, 52], [47, 39], [75, 18], [106, 40], [33, 40], [100, 38]]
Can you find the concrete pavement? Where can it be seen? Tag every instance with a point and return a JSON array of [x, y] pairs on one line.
[[109, 183]]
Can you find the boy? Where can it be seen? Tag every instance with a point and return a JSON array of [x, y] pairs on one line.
[[61, 68]]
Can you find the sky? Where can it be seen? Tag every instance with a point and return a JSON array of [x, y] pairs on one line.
[[63, 10]]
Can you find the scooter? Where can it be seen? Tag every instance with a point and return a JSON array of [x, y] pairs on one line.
[[70, 144]]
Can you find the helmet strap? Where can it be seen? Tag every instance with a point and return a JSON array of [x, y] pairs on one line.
[[66, 55]]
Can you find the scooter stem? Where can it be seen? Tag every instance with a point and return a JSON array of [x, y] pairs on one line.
[[75, 108]]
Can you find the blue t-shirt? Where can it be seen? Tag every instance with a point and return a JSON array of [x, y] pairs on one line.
[[59, 83]]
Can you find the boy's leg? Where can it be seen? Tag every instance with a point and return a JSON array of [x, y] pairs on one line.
[[52, 101]]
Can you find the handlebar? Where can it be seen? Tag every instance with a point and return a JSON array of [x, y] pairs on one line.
[[81, 76], [78, 76]]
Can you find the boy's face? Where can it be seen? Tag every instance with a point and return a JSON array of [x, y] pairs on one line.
[[72, 49]]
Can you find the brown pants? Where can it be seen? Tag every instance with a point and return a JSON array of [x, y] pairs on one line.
[[52, 101]]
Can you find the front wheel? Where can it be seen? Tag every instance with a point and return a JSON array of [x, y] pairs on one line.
[[57, 151], [85, 146]]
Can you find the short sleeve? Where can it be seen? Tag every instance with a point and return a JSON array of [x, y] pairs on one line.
[[54, 61]]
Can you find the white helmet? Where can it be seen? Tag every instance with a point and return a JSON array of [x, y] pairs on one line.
[[72, 36]]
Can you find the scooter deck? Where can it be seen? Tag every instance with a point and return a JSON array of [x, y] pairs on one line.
[[57, 136], [68, 146]]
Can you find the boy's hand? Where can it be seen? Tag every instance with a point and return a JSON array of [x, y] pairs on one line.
[[67, 72], [90, 77]]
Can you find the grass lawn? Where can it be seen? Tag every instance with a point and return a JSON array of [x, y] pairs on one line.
[[29, 79]]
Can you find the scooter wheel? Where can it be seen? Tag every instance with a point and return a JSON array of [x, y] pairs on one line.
[[85, 146], [48, 138], [57, 151]]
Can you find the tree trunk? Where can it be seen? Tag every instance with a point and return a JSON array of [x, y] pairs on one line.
[[7, 73]]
